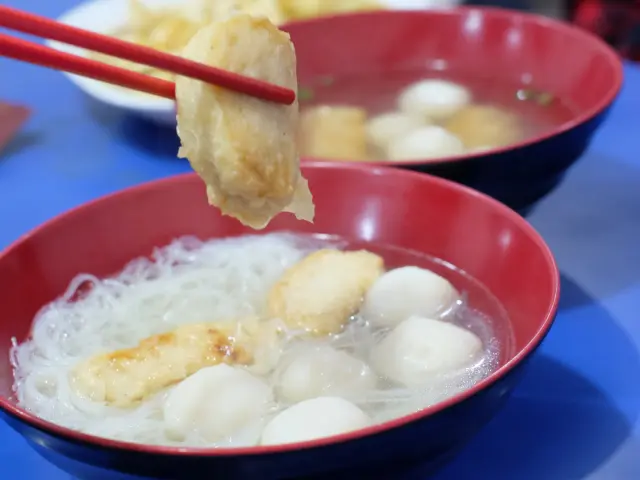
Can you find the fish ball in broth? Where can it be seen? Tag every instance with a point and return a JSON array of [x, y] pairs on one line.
[[430, 142], [420, 350], [402, 292], [322, 370], [215, 403], [433, 99], [315, 418], [386, 127]]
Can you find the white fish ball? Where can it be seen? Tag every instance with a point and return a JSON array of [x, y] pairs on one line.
[[215, 403], [420, 350], [434, 99], [314, 418], [427, 143], [384, 128], [403, 292], [323, 371]]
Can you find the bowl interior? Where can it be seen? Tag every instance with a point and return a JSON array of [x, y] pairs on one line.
[[493, 52], [388, 207]]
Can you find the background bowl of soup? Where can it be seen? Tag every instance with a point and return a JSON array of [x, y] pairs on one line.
[[167, 25], [479, 249], [504, 102]]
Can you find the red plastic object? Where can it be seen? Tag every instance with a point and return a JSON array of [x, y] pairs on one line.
[[615, 21], [12, 117], [386, 206], [517, 50]]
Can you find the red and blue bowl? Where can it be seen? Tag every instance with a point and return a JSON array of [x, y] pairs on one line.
[[392, 207], [509, 48]]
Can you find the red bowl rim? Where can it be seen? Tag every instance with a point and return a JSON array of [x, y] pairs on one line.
[[613, 59], [552, 268]]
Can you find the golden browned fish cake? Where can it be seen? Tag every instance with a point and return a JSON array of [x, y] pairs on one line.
[[334, 132], [125, 377], [320, 292], [479, 126], [243, 148]]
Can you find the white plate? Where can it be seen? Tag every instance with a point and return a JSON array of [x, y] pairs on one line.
[[105, 16]]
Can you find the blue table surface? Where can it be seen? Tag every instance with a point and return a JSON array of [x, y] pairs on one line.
[[575, 414]]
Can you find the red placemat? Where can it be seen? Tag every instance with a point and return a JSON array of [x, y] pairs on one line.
[[12, 117]]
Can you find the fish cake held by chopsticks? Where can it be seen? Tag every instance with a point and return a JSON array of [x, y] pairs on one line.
[[244, 149], [320, 292]]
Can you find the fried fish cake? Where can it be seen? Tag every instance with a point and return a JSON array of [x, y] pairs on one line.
[[125, 377], [320, 292], [481, 126], [245, 149], [335, 132]]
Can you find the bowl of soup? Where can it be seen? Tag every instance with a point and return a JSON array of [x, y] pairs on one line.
[[504, 102], [146, 334], [167, 25]]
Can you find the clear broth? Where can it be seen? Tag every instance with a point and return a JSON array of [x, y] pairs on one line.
[[479, 312], [540, 112]]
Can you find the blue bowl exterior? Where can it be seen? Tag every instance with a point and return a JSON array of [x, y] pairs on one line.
[[522, 176]]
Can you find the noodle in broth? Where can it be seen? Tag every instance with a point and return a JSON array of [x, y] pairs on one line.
[[191, 281]]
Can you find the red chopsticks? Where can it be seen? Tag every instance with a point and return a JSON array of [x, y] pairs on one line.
[[41, 55], [48, 57]]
